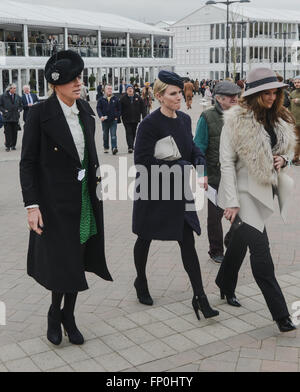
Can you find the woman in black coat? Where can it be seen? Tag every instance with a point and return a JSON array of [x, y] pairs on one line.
[[160, 219], [58, 172]]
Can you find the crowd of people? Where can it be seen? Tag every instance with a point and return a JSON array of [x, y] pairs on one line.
[[11, 105]]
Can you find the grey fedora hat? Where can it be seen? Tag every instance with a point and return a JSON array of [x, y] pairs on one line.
[[261, 79]]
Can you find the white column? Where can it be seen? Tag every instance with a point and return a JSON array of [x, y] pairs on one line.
[[10, 76], [127, 42], [170, 47], [37, 81], [66, 38], [19, 82], [1, 82], [99, 43], [152, 45], [25, 39], [128, 75], [27, 75]]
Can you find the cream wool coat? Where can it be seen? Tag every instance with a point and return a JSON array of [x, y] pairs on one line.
[[247, 170]]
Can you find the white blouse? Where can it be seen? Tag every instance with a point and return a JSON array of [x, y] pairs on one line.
[[71, 114]]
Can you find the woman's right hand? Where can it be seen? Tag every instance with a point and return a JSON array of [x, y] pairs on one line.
[[231, 213], [35, 220]]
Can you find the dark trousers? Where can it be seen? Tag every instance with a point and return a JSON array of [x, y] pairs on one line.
[[11, 134], [261, 264], [109, 127], [215, 229], [130, 129], [188, 254]]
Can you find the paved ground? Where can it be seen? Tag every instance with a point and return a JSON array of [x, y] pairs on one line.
[[123, 335]]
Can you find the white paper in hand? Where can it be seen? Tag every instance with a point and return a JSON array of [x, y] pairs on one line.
[[212, 195], [81, 175]]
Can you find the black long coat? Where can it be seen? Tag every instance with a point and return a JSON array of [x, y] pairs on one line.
[[49, 177], [164, 219], [10, 110]]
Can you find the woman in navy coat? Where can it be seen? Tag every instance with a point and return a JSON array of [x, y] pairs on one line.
[[167, 220]]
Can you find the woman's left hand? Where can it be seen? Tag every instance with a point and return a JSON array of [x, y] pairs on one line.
[[279, 162], [231, 213]]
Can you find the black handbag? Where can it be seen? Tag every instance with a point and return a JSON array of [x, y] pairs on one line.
[[237, 223]]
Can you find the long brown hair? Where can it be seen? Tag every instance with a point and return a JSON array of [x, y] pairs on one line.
[[264, 115]]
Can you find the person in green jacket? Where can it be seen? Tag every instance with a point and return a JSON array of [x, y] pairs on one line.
[[207, 138], [295, 110]]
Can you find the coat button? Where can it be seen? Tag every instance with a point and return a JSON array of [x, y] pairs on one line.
[[55, 149]]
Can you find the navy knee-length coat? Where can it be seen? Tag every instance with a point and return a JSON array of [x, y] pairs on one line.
[[164, 219], [49, 177]]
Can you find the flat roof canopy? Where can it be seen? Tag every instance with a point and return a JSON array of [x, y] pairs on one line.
[[30, 14]]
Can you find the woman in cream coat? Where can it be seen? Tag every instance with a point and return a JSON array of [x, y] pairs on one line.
[[257, 142]]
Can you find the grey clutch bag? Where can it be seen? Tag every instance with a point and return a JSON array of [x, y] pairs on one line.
[[167, 149]]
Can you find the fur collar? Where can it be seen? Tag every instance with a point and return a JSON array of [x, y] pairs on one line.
[[252, 144]]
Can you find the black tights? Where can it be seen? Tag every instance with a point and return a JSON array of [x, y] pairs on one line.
[[188, 254], [69, 302]]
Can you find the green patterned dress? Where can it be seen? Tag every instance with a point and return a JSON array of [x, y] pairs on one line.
[[88, 226]]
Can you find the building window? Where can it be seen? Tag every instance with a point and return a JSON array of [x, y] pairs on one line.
[[217, 31], [222, 31], [266, 30], [256, 30], [280, 54], [211, 55], [251, 30], [251, 53], [212, 31], [275, 55], [217, 55], [222, 60]]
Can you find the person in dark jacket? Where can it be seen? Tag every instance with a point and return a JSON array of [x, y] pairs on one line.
[[58, 173], [160, 218], [109, 112], [132, 108], [28, 100], [11, 106], [208, 134]]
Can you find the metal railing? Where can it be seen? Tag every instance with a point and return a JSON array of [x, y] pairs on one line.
[[11, 49], [114, 51], [163, 53], [140, 52], [43, 49], [85, 50]]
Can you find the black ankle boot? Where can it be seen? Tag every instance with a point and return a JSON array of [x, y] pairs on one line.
[[200, 302], [54, 334], [231, 299], [142, 292], [70, 329], [285, 325]]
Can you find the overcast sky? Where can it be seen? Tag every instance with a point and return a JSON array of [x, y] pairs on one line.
[[154, 10]]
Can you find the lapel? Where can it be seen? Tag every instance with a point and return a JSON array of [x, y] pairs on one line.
[[56, 127], [88, 122]]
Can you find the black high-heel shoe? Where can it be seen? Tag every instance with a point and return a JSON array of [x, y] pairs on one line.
[[54, 334], [285, 325], [201, 303], [231, 299], [71, 330], [142, 292]]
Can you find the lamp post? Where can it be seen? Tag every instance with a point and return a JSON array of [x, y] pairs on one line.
[[227, 3], [285, 34]]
